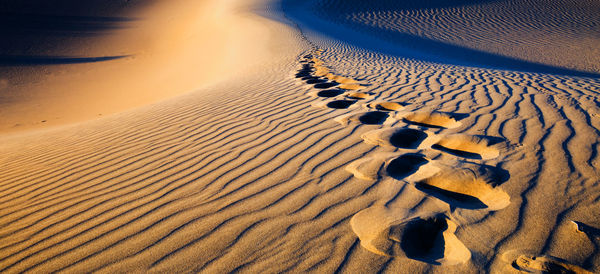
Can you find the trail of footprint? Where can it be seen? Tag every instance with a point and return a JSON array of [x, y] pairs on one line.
[[466, 185], [314, 71]]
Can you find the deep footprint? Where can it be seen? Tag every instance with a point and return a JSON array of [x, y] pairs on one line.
[[407, 138], [405, 165], [373, 118], [315, 81], [329, 93], [428, 239], [422, 239], [325, 85], [340, 104]]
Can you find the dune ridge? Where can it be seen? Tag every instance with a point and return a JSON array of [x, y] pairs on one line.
[[282, 168]]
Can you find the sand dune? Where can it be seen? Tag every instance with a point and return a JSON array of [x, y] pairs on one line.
[[311, 151], [62, 61]]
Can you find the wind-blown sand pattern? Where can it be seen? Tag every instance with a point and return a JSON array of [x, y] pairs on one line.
[[357, 137]]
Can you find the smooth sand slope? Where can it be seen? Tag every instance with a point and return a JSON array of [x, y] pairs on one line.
[[65, 61], [321, 152]]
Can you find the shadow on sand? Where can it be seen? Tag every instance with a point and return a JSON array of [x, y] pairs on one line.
[[8, 60]]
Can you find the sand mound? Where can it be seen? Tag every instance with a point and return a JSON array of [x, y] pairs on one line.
[[340, 79], [473, 147], [358, 95], [470, 186], [431, 119], [386, 106], [351, 86]]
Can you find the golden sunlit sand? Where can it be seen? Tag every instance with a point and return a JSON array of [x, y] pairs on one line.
[[321, 136]]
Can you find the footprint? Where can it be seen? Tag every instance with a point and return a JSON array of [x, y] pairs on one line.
[[545, 264], [368, 168], [325, 85], [366, 118], [305, 71], [386, 106], [405, 165], [466, 146], [314, 80], [358, 95], [406, 138], [340, 104], [373, 118], [411, 166], [429, 239], [431, 119], [470, 186], [328, 93]]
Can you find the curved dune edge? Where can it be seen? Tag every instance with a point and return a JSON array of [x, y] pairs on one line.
[[168, 51]]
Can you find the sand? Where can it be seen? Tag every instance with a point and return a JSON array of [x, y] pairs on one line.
[[97, 61], [307, 136]]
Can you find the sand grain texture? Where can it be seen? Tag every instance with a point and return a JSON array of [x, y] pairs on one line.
[[310, 151]]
